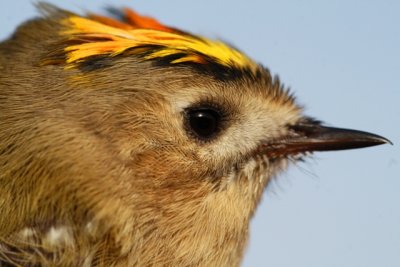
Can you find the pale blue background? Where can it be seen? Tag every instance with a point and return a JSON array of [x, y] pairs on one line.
[[342, 59]]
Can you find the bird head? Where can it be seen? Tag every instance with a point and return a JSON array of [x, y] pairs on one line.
[[146, 127]]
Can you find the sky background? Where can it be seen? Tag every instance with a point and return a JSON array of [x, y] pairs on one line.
[[342, 60]]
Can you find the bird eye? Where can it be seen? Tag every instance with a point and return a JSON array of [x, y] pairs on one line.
[[204, 122]]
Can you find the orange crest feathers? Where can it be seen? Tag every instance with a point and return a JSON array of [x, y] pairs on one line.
[[97, 35]]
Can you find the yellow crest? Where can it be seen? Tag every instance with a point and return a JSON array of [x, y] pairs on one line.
[[103, 36]]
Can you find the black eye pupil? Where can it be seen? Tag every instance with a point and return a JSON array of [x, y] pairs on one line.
[[204, 122]]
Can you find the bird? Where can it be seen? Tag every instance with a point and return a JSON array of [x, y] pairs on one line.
[[127, 142]]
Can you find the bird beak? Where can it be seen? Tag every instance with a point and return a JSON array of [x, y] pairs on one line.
[[309, 135]]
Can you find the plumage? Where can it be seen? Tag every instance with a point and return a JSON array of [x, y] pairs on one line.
[[131, 143], [102, 36]]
